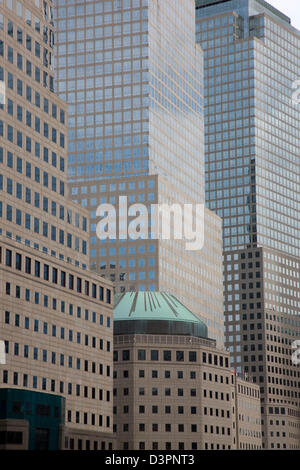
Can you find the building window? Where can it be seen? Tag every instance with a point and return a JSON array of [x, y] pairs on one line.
[[141, 354], [179, 356], [167, 355], [126, 355]]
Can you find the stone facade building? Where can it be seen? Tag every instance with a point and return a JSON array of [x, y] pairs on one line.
[[173, 388], [56, 316]]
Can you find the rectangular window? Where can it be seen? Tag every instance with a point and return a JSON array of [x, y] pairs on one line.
[[54, 275], [71, 281], [28, 265], [18, 261], [192, 356], [167, 355], [37, 268], [8, 259], [63, 279], [141, 354]]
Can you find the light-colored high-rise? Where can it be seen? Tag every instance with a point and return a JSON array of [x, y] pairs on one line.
[[132, 75], [252, 63], [55, 315]]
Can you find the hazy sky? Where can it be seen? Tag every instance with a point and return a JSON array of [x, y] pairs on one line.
[[290, 8]]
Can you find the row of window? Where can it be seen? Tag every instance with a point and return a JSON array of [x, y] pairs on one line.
[[79, 415], [30, 171], [26, 142], [168, 355], [178, 446], [52, 385], [31, 71], [103, 188], [56, 276], [181, 375], [35, 123], [17, 33], [17, 162], [27, 15], [54, 331], [193, 410], [26, 324], [57, 359], [123, 250], [16, 437], [40, 409], [77, 444], [182, 428], [180, 393], [18, 190], [26, 169], [41, 227], [19, 112]]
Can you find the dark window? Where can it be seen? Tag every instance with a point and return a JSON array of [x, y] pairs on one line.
[[8, 259], [179, 356], [18, 261], [126, 355], [192, 356], [141, 354], [167, 355], [154, 355]]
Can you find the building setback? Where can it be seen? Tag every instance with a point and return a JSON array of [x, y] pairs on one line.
[[133, 78], [173, 388], [55, 314], [251, 61]]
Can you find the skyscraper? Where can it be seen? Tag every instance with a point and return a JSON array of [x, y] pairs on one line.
[[55, 315], [132, 75], [251, 61]]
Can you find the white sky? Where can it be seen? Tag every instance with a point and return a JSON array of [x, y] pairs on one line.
[[290, 8]]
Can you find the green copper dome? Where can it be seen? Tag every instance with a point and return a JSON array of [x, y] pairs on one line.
[[155, 313]]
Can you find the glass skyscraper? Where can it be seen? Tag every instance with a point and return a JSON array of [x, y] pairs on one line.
[[252, 147], [132, 75]]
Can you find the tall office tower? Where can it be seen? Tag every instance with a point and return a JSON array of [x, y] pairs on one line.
[[251, 61], [132, 75], [55, 315]]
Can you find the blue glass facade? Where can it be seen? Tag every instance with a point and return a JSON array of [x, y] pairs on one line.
[[252, 142], [132, 75], [252, 147]]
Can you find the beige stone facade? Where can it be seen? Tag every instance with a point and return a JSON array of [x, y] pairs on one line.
[[247, 415], [188, 398], [56, 316]]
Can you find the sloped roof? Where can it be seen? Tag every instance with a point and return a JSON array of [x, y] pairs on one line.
[[151, 306]]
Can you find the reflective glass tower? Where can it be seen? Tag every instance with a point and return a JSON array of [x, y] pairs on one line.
[[252, 149], [132, 75]]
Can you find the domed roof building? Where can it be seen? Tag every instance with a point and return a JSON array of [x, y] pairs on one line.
[[168, 373], [155, 313]]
